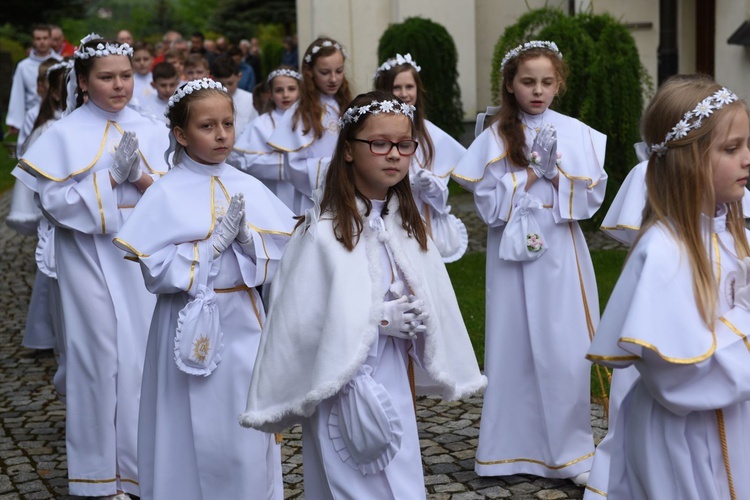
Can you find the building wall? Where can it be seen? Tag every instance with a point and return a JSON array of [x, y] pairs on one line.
[[476, 25]]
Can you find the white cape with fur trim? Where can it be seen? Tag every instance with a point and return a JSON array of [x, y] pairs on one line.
[[324, 316]]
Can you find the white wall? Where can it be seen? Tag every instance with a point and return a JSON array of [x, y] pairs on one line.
[[732, 61]]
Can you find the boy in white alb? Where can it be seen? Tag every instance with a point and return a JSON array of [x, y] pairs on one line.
[[225, 71], [165, 81]]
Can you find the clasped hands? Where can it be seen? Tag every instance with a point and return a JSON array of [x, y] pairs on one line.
[[543, 157], [403, 317], [127, 160], [233, 226]]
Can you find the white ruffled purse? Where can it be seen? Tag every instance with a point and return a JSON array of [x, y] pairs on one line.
[[450, 235], [522, 238], [199, 341], [364, 424]]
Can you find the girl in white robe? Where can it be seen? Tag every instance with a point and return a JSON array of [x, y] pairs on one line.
[[309, 129], [542, 304], [253, 155], [90, 173], [679, 313], [375, 303], [189, 443], [437, 156], [44, 319]]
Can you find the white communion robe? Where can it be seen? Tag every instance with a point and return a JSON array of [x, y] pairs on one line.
[[307, 157], [244, 110], [434, 206], [190, 445], [682, 429], [323, 331], [253, 155], [541, 314], [105, 306]]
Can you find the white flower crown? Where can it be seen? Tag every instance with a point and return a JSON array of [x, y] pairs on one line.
[[693, 120], [534, 44], [102, 49], [283, 72], [327, 43], [68, 65], [190, 87], [375, 108], [397, 61]]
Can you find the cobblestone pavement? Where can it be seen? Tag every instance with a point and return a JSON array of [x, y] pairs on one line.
[[32, 426]]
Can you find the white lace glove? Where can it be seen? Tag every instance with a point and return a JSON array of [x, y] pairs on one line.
[[425, 182], [403, 318], [126, 155], [229, 226], [742, 285], [245, 235], [135, 169], [543, 158]]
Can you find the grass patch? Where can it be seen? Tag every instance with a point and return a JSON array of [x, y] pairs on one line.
[[468, 277]]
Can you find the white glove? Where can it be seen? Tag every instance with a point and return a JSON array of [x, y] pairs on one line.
[[424, 181], [245, 235], [126, 155], [742, 285], [135, 169], [543, 160], [403, 318], [229, 226]]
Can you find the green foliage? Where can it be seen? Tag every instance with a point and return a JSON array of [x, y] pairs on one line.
[[271, 52], [606, 84], [238, 19], [12, 47], [432, 47]]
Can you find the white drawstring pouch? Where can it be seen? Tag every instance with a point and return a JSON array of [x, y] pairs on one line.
[[364, 425], [450, 235], [198, 341], [522, 238]]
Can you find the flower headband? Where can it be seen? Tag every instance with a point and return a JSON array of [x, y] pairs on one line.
[[397, 61], [102, 49], [193, 86], [534, 44], [693, 120], [327, 43], [283, 72], [375, 108], [63, 64]]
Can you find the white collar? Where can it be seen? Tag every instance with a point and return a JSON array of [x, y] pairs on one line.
[[201, 168]]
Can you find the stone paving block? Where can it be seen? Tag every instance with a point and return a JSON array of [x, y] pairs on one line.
[[436, 479], [550, 495], [495, 492], [5, 484]]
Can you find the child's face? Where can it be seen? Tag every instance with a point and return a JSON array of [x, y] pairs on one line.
[[208, 136], [165, 87], [176, 62], [328, 73], [730, 156], [230, 83], [284, 92], [405, 87], [142, 60], [196, 72], [535, 85], [375, 174], [110, 82]]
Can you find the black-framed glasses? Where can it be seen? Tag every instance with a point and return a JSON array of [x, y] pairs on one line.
[[382, 147]]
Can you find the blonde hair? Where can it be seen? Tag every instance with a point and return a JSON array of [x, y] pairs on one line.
[[680, 183]]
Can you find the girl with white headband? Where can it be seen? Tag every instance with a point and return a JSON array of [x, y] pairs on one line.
[[362, 297], [535, 173], [309, 129], [218, 234], [252, 153], [680, 312], [431, 166], [92, 168]]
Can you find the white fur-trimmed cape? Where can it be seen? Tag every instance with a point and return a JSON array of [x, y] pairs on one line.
[[324, 315]]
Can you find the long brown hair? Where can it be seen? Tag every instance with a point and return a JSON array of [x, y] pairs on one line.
[[310, 109], [680, 183], [340, 193], [509, 125], [384, 82]]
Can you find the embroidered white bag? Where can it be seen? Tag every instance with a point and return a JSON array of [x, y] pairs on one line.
[[364, 425], [450, 235], [198, 341], [522, 238]]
